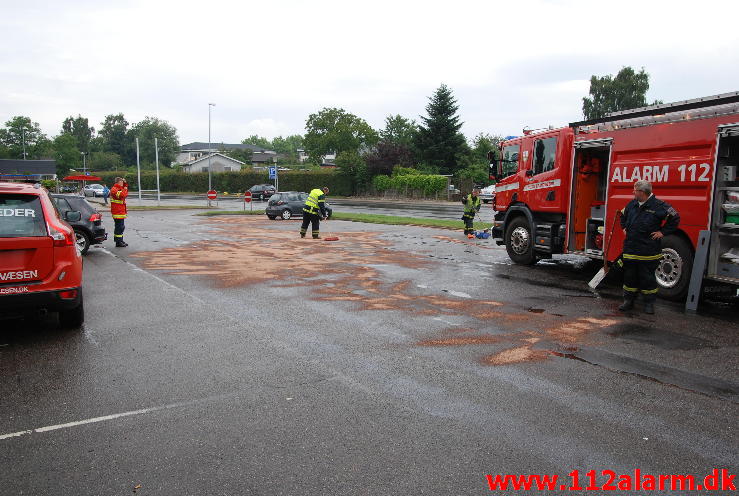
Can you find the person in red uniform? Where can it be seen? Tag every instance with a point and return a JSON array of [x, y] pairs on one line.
[[118, 194]]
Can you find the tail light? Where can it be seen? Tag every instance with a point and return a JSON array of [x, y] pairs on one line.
[[61, 235], [70, 294], [280, 202], [96, 217]]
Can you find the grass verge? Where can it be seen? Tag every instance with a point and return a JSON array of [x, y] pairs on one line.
[[405, 221], [372, 219]]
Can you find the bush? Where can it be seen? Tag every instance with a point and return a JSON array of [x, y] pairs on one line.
[[381, 183], [49, 184], [416, 184]]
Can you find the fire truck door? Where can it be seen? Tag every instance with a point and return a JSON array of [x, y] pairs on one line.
[[543, 181], [588, 199]]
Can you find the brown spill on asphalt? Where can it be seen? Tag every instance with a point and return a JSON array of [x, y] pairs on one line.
[[472, 242], [345, 271]]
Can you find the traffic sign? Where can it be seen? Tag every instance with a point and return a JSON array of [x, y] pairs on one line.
[[272, 172], [247, 196], [212, 194]]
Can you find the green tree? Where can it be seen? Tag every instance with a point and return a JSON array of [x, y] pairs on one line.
[[20, 130], [333, 130], [79, 128], [146, 131], [242, 155], [399, 130], [66, 154], [482, 144], [352, 165], [100, 161], [627, 90], [438, 141], [114, 134], [258, 141], [288, 147]]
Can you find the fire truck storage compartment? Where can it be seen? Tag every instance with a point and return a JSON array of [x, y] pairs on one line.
[[589, 184], [594, 239], [723, 263]]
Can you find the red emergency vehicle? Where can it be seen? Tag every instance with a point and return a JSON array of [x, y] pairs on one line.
[[559, 190]]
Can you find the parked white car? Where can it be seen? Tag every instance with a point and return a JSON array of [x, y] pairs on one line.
[[487, 193]]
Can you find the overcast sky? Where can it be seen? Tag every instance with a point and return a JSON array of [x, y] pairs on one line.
[[267, 65]]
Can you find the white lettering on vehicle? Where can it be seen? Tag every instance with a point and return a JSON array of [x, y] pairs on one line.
[[17, 212], [21, 274], [542, 185], [20, 289], [661, 173], [691, 169]]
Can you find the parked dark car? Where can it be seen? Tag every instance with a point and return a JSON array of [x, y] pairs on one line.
[[289, 204], [262, 191], [89, 229]]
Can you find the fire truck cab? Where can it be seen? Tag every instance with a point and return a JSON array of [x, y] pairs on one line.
[[559, 190]]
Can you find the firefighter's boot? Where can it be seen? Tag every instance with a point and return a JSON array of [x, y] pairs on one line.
[[649, 308], [627, 305]]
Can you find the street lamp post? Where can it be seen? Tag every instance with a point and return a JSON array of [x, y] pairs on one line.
[[210, 186], [84, 170]]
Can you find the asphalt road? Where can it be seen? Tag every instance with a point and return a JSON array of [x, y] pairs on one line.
[[426, 209], [225, 355]]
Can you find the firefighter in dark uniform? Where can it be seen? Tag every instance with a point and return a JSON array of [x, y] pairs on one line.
[[314, 211], [645, 221], [471, 204]]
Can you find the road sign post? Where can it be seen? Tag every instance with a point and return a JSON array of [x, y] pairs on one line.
[[273, 175], [247, 199], [212, 195]]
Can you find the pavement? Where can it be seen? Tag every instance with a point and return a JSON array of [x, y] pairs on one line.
[[225, 355]]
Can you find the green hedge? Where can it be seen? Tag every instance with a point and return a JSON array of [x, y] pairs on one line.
[[233, 182], [424, 183]]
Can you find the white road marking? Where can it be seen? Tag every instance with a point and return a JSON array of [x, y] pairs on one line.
[[138, 269], [114, 416]]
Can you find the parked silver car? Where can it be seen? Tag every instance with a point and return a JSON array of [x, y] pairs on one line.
[[94, 190]]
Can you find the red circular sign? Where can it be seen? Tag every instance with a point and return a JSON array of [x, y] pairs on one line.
[[212, 194], [247, 196]]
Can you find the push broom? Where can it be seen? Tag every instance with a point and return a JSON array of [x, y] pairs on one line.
[[329, 237], [598, 278]]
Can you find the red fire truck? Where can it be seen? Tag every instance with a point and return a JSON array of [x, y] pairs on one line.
[[558, 190]]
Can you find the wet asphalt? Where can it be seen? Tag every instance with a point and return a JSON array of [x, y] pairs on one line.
[[226, 356]]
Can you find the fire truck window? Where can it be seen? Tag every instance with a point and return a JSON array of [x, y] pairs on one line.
[[544, 153], [509, 161]]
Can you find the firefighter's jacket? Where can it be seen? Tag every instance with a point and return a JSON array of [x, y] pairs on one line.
[[471, 205], [641, 222], [315, 203], [118, 196]]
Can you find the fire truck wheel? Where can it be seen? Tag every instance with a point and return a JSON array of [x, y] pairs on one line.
[[673, 272], [519, 243]]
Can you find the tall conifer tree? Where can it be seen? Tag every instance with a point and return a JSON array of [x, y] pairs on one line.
[[439, 142]]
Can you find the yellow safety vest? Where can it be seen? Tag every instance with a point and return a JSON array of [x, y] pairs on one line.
[[314, 202]]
